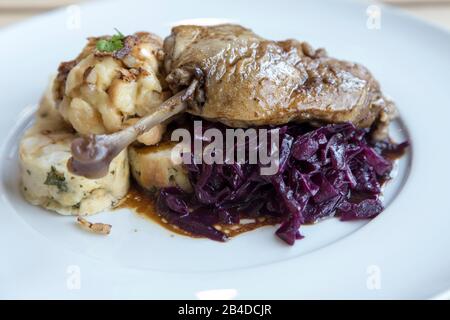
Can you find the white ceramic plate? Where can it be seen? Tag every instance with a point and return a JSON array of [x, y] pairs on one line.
[[403, 253]]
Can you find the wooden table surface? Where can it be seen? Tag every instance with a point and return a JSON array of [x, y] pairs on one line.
[[436, 11]]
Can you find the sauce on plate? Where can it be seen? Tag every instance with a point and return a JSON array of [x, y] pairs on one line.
[[144, 204]]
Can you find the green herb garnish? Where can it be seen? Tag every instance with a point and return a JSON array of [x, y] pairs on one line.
[[110, 45], [77, 206], [55, 178]]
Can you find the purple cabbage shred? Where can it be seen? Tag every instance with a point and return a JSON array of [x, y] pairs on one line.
[[328, 171]]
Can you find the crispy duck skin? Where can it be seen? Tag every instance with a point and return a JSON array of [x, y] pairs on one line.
[[249, 81]]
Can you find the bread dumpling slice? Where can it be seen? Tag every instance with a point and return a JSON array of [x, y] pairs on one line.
[[153, 167], [45, 179]]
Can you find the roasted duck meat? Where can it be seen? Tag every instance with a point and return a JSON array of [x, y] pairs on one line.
[[250, 81]]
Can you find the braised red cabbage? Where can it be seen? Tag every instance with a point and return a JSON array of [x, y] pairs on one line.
[[329, 171]]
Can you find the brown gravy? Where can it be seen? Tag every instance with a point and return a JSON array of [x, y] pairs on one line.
[[143, 203]]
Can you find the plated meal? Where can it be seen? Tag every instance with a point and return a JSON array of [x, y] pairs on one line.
[[104, 134]]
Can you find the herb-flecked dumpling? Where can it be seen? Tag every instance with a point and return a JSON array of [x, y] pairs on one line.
[[45, 179]]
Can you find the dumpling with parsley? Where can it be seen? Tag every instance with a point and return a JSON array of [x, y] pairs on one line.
[[112, 83], [45, 180]]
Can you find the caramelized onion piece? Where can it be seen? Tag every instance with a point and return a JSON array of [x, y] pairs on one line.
[[100, 228], [92, 155]]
